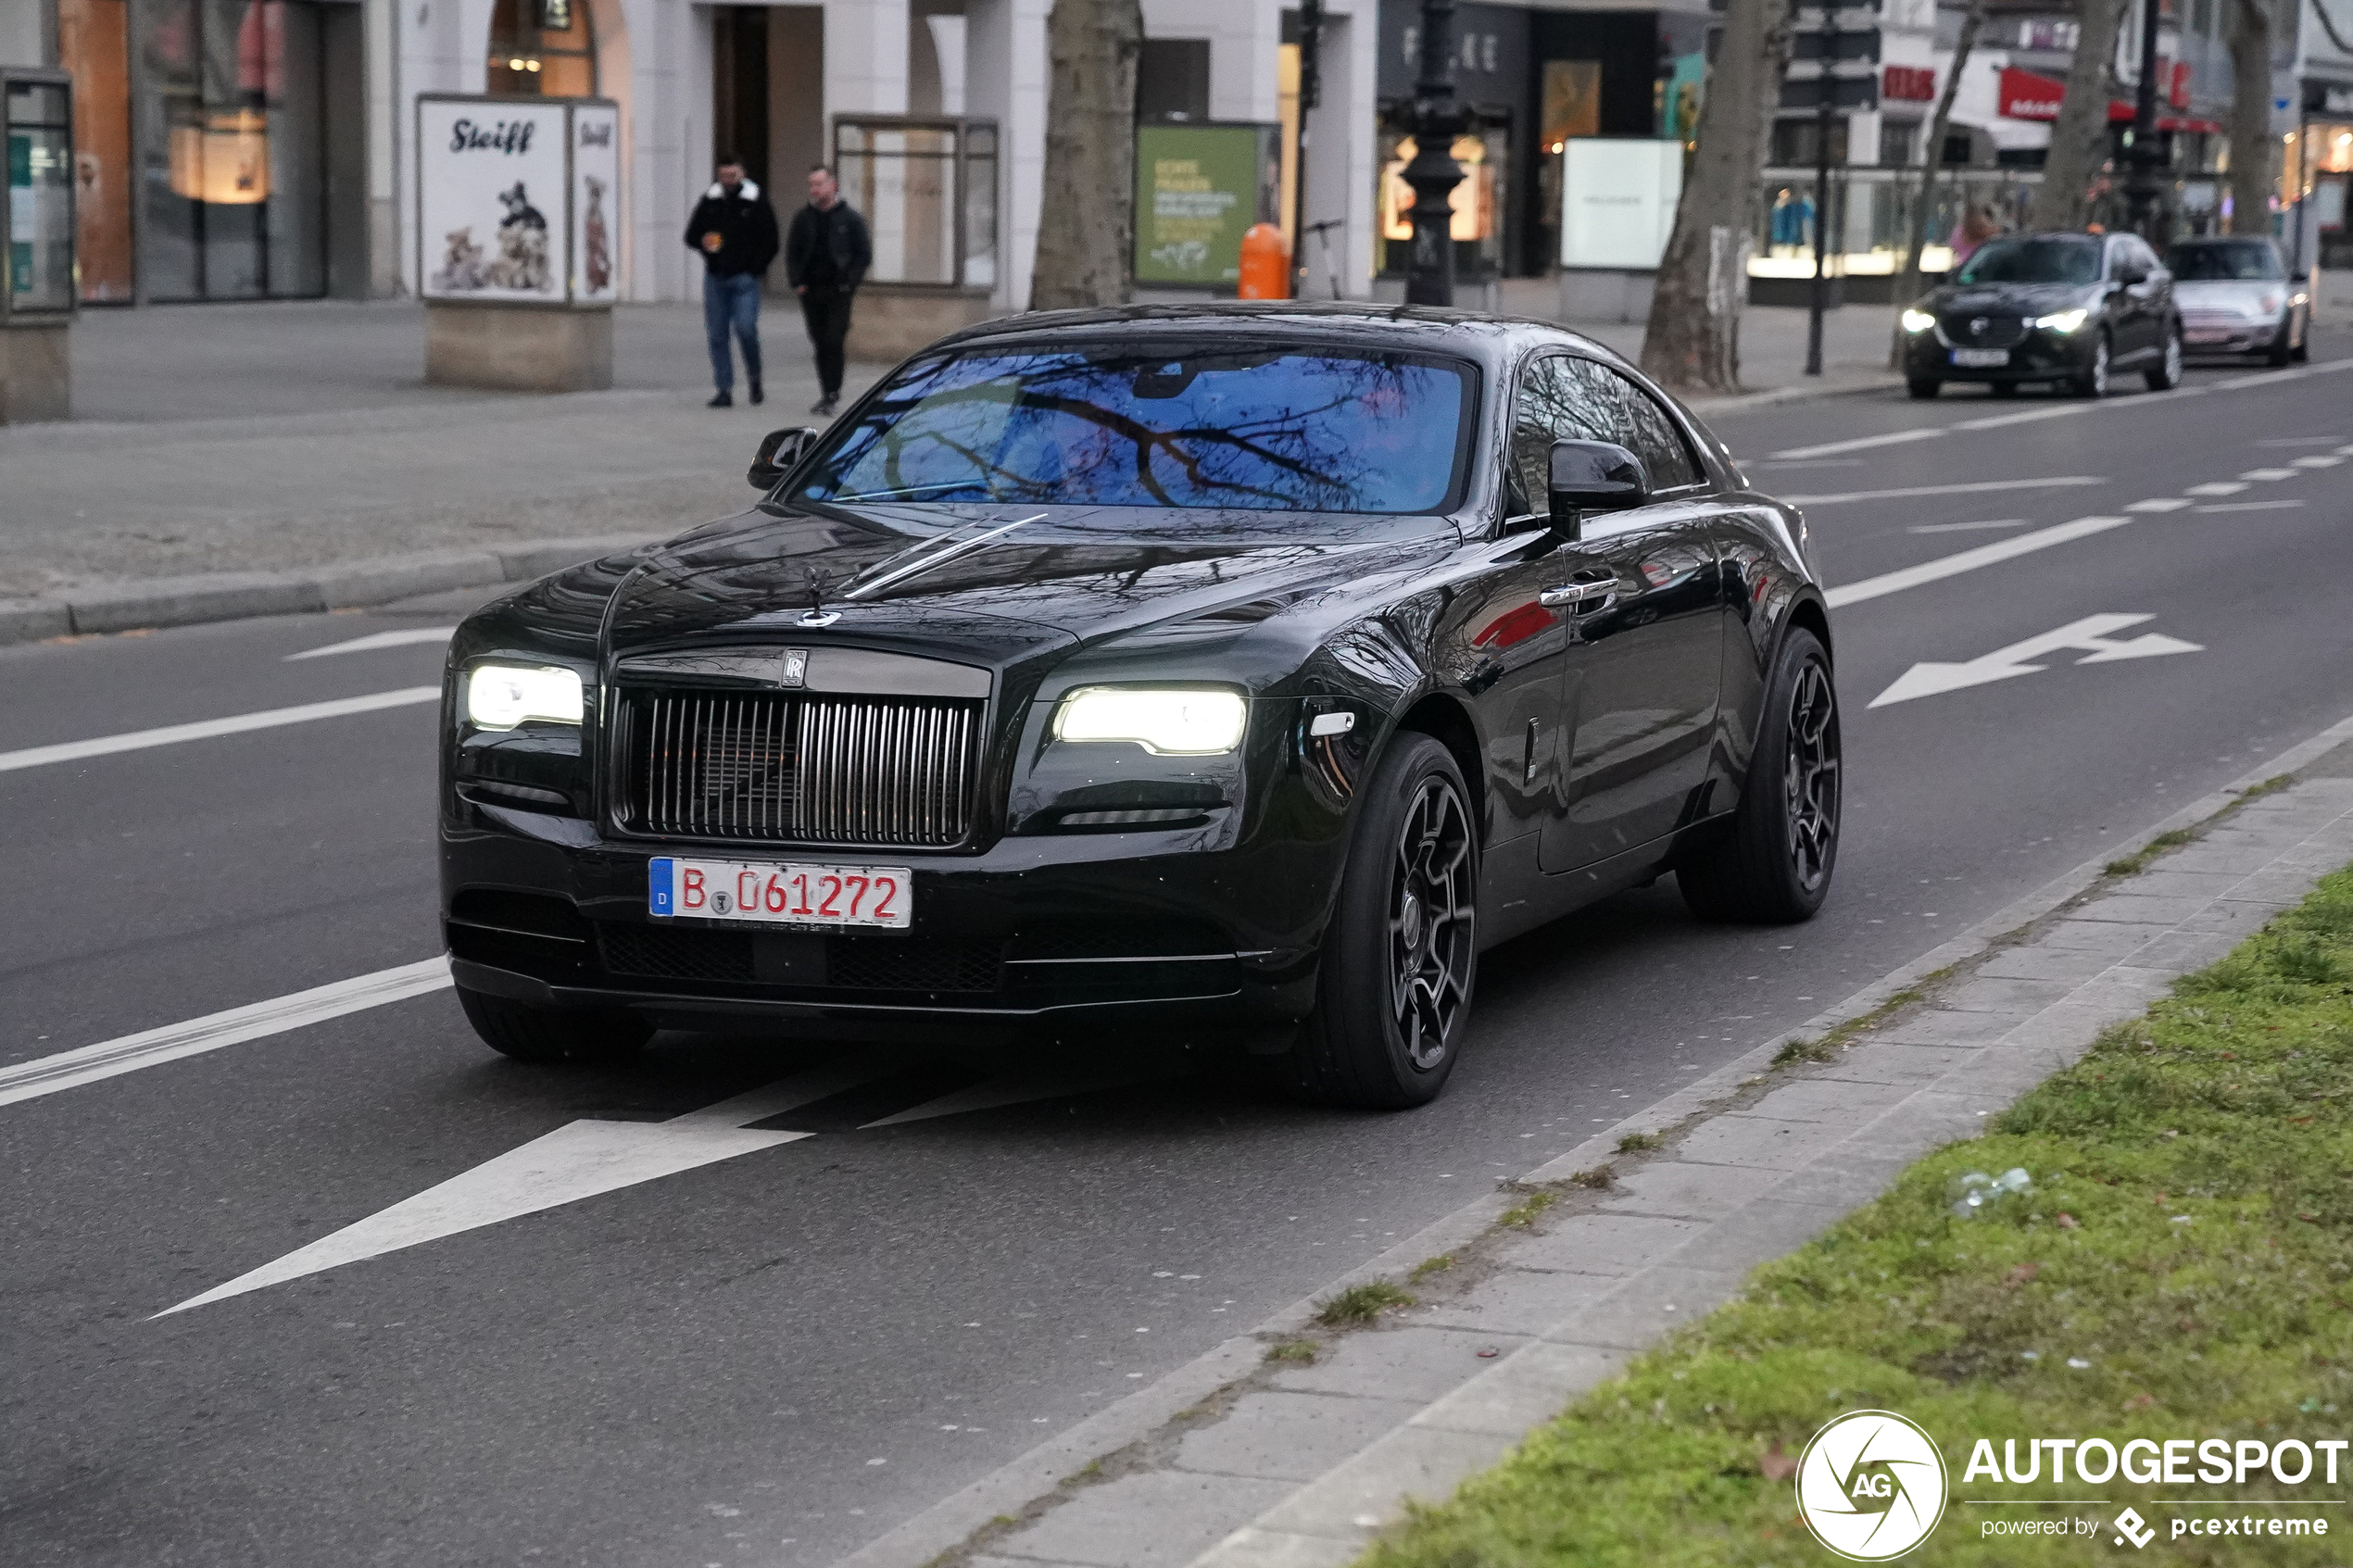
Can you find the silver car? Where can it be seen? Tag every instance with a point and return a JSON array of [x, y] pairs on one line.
[[2237, 296]]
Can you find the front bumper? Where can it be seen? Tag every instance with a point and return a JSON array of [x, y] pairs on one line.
[[2041, 355], [2236, 335], [1145, 927]]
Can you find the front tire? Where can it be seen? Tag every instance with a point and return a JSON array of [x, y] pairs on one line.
[[2167, 373], [2303, 351], [1923, 387], [1401, 956], [2281, 347], [2093, 383], [534, 1034], [1772, 867]]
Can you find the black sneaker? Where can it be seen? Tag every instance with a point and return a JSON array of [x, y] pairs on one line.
[[758, 396], [723, 401]]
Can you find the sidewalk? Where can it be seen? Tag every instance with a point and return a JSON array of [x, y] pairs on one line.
[[1298, 1445], [288, 437]]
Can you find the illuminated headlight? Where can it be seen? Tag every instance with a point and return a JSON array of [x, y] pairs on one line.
[[499, 697], [2065, 322], [1187, 721], [1918, 320]]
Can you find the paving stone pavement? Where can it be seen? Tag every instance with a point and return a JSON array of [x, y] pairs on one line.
[[1304, 1464]]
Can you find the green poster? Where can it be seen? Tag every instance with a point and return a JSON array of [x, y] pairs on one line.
[[1198, 187]]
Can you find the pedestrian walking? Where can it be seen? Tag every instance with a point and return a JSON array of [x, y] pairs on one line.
[[826, 255], [735, 230], [1977, 225]]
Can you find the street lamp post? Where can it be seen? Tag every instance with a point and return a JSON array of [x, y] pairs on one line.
[[1433, 173], [1824, 121], [2142, 198]]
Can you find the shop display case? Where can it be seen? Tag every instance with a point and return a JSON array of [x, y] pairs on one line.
[[37, 294]]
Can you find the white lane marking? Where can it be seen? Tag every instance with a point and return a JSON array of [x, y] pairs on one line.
[[2159, 504], [2089, 634], [1859, 444], [2318, 463], [204, 729], [1969, 527], [1817, 462], [2027, 417], [1973, 488], [375, 640], [2250, 506], [2218, 487], [1971, 561], [2297, 441], [47, 1076], [2344, 451], [2268, 476], [583, 1160]]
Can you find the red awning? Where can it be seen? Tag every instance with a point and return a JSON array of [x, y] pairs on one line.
[[2027, 95]]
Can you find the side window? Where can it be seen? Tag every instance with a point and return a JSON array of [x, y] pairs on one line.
[[1563, 398], [1653, 436], [1535, 425]]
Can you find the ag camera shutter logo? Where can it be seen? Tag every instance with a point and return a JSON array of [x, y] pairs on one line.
[[1870, 1485]]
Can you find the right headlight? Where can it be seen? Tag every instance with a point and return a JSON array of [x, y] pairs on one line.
[[1918, 320], [499, 697], [2065, 322], [1169, 720]]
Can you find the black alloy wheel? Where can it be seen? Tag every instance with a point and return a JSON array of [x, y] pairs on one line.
[[1772, 863], [536, 1034], [1399, 959], [2167, 373]]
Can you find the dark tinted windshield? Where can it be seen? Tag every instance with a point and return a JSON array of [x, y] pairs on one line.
[[1261, 429], [2034, 261], [2223, 261]]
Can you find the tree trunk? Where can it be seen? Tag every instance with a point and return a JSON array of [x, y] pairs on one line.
[[1086, 221], [1907, 286], [1693, 341], [2079, 137], [2252, 144]]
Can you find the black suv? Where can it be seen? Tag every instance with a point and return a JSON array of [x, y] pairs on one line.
[[2064, 309]]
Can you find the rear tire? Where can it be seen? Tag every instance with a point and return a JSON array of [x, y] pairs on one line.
[[1401, 956], [2167, 373], [536, 1034], [1772, 865], [1923, 387]]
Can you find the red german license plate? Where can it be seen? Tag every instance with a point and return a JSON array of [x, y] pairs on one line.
[[779, 893]]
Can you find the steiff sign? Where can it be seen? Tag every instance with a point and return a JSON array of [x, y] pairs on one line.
[[519, 201]]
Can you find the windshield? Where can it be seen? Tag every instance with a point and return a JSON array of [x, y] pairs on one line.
[[2231, 261], [2034, 261], [1270, 428]]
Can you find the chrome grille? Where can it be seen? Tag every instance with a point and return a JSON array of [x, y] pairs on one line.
[[808, 770], [1999, 332]]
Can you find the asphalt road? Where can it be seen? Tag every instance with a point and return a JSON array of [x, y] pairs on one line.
[[776, 1356]]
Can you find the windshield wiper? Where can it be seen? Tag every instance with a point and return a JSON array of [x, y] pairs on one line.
[[903, 491], [939, 557]]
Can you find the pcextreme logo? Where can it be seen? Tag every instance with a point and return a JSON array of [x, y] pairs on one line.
[[1870, 1485]]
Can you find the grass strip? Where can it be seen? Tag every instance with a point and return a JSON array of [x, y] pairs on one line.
[[2182, 1266]]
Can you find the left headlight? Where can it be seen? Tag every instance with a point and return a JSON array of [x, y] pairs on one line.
[[2065, 322], [499, 697], [1918, 320], [1170, 722]]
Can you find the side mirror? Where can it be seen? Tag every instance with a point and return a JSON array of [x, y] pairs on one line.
[[2299, 278], [1593, 476], [779, 450]]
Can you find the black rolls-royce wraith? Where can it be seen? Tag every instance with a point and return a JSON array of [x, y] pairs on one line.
[[1238, 669]]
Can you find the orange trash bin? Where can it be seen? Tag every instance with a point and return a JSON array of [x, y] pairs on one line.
[[1265, 264]]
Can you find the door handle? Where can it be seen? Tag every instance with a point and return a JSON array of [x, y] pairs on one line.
[[1584, 596]]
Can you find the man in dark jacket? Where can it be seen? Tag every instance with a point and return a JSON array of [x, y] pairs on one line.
[[735, 230], [826, 255]]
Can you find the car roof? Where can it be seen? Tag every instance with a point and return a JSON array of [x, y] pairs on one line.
[[1494, 341]]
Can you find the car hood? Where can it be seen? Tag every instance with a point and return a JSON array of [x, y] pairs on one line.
[[2011, 299], [958, 583]]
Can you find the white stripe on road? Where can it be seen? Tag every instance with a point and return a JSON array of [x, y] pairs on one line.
[[1987, 526], [1969, 561], [2250, 506], [204, 729], [1860, 443], [47, 1076], [375, 640], [1975, 488]]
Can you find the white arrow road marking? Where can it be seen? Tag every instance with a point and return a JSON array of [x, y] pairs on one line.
[[47, 1076], [2090, 635], [204, 729], [379, 640], [1969, 561], [2060, 482]]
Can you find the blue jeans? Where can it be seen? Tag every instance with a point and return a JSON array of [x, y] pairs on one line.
[[732, 302]]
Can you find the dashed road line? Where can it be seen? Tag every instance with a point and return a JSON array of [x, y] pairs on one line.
[[204, 729], [1971, 561], [374, 640], [1972, 488]]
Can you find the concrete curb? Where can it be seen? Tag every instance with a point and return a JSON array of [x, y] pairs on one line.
[[238, 596], [1329, 1520]]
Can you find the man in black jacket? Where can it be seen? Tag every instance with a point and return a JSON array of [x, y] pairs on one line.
[[735, 230], [826, 255]]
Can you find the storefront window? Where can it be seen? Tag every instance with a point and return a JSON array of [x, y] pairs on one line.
[[542, 48], [928, 190], [1475, 201], [94, 44], [40, 258], [233, 164]]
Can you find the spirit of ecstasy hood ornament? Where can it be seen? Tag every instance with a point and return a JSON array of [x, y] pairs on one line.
[[816, 580]]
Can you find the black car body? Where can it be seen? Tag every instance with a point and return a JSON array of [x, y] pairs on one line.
[[883, 683], [2064, 309]]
